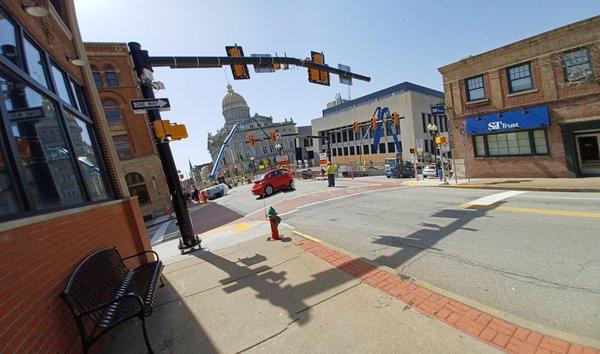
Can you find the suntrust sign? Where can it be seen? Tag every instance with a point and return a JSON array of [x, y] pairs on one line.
[[524, 118]]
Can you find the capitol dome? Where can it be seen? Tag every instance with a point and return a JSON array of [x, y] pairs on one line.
[[234, 106]]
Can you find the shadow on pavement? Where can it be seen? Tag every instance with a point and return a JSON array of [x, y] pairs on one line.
[[172, 327], [423, 239]]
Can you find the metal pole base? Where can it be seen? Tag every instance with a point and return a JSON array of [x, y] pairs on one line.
[[190, 248]]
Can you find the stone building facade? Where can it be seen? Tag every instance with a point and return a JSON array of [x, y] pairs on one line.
[[530, 108], [240, 158], [131, 133]]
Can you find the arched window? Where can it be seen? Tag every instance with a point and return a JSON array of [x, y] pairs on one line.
[[111, 76], [112, 111], [97, 76], [137, 187]]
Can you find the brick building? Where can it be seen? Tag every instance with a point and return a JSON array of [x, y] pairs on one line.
[[530, 108], [60, 194], [113, 74]]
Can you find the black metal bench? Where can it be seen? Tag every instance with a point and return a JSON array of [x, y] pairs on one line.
[[103, 292]]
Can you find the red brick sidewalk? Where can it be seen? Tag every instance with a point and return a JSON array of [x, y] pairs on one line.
[[485, 327]]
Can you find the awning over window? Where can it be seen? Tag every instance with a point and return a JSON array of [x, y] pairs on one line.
[[523, 118]]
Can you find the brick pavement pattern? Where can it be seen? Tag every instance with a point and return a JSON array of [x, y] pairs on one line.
[[486, 328]]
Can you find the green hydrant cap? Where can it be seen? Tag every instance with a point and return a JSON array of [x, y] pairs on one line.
[[272, 212]]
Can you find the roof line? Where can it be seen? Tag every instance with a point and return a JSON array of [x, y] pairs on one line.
[[402, 87]]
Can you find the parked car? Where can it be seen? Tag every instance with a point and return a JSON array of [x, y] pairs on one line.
[[429, 171], [271, 181], [395, 168]]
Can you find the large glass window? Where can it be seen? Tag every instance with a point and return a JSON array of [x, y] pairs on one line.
[[62, 89], [123, 146], [49, 177], [112, 112], [8, 40], [85, 149], [366, 149], [391, 147], [78, 96], [577, 64], [35, 64], [475, 89], [529, 142], [519, 78], [382, 148]]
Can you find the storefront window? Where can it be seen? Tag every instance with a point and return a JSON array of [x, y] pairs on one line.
[[8, 201], [8, 42], [512, 144], [35, 64], [85, 150], [49, 176]]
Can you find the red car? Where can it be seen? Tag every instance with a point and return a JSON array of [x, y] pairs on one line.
[[269, 182]]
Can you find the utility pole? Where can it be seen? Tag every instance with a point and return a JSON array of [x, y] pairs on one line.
[[189, 240]]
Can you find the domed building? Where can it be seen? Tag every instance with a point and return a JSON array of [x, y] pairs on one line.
[[240, 158]]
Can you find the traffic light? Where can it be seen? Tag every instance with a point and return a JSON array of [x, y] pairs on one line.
[[273, 136], [396, 118], [373, 123], [412, 150], [356, 127], [251, 140], [440, 140], [316, 76], [240, 71], [164, 129]]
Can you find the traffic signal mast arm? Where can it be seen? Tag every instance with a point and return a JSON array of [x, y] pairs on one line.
[[217, 62]]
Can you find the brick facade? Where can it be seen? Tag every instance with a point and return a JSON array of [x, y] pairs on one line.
[[567, 102], [144, 160], [37, 259], [39, 252]]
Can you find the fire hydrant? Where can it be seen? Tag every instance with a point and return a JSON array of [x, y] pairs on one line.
[[274, 220]]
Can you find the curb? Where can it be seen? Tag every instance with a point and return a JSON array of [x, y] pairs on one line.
[[532, 189], [489, 325]]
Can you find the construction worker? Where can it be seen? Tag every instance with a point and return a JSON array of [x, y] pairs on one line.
[[331, 169]]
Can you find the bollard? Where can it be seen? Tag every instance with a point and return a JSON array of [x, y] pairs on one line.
[[274, 220]]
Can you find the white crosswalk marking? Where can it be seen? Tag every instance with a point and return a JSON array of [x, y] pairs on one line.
[[494, 198]]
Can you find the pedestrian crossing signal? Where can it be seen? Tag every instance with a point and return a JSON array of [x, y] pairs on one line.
[[239, 71], [316, 76]]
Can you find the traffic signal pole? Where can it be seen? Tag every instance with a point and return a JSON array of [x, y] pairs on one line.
[[188, 240], [143, 64]]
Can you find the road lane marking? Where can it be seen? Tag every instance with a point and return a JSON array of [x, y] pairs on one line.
[[160, 233], [549, 197], [491, 199], [304, 195], [342, 197], [578, 214]]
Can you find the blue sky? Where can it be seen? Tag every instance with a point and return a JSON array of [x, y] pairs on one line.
[[390, 41]]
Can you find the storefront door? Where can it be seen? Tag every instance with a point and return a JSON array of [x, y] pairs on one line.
[[588, 150]]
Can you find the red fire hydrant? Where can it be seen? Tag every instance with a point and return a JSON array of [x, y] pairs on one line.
[[274, 220]]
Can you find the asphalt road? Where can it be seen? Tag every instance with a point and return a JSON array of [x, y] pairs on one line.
[[535, 255]]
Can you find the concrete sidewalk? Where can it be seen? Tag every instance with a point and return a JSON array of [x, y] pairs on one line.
[[588, 184], [270, 297]]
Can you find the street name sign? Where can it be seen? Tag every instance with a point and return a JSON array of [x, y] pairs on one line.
[[26, 114], [141, 106]]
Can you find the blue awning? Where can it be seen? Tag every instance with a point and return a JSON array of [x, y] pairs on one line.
[[523, 118]]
